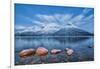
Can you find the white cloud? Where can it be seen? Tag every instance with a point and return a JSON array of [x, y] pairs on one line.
[[61, 19], [50, 28], [46, 18], [50, 23], [19, 27], [77, 18]]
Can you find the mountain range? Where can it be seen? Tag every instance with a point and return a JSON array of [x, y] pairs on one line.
[[70, 31]]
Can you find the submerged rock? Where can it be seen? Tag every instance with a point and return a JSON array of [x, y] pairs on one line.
[[69, 52], [90, 46], [54, 60], [26, 53], [41, 51], [55, 51]]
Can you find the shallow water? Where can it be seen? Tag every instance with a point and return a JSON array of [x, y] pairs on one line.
[[82, 46]]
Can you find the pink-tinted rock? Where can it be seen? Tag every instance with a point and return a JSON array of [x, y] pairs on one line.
[[55, 51], [69, 52], [41, 51], [27, 53]]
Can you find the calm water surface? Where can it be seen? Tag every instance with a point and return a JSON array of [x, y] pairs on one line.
[[82, 46]]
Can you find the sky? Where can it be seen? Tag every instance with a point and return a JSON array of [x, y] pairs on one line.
[[46, 17]]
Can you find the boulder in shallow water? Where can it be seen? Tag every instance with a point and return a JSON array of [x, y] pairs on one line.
[[69, 51], [55, 51], [41, 51], [27, 53]]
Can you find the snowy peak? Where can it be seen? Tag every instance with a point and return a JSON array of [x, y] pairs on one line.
[[52, 30]]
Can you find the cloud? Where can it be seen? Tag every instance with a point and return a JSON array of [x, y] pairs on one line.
[[60, 19], [53, 22], [27, 28], [90, 17], [50, 28], [82, 19], [19, 27], [85, 11], [77, 18], [26, 18], [46, 18]]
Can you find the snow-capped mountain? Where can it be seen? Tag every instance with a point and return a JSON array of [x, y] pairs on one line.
[[52, 30], [72, 32], [46, 29]]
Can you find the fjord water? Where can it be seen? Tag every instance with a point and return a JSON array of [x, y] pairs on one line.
[[82, 46]]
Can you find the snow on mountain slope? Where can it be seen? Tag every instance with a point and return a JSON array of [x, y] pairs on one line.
[[53, 29]]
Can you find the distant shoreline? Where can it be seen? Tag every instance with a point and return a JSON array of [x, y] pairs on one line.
[[52, 36]]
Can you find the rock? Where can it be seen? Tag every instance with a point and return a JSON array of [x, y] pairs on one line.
[[69, 52], [27, 53], [41, 51], [90, 46], [55, 51], [54, 60]]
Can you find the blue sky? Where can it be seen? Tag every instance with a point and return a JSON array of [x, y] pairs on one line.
[[29, 15]]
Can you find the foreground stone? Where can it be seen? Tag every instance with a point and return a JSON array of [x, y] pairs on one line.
[[27, 53], [55, 51], [41, 51], [69, 52]]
